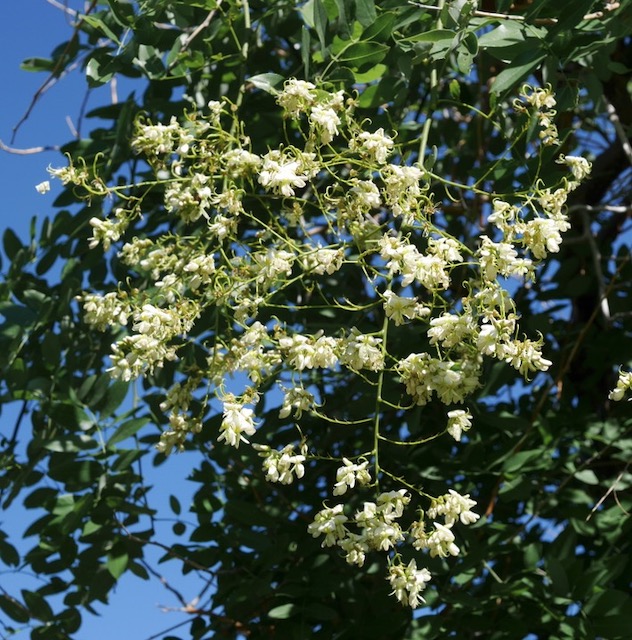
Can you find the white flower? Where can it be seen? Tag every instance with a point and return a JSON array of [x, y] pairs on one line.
[[237, 421], [365, 195], [441, 542], [401, 187], [284, 465], [349, 474], [553, 201], [273, 263], [501, 258], [104, 232], [297, 96], [326, 121], [240, 162], [503, 215], [580, 167], [298, 400], [356, 548], [330, 523], [308, 352], [103, 311], [408, 582], [360, 351], [540, 98], [281, 174], [451, 381], [453, 506], [43, 187], [323, 261], [543, 234], [624, 384], [450, 329], [374, 146], [458, 422], [399, 308], [526, 356]]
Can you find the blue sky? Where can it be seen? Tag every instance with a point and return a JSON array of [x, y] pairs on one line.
[[33, 28]]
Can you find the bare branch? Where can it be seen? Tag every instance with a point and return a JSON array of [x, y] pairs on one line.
[[166, 548], [54, 75], [27, 152], [597, 15], [605, 495], [73, 13], [613, 116]]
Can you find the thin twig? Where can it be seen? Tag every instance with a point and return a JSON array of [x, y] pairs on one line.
[[596, 259], [27, 152], [613, 116], [195, 33], [167, 549], [64, 8], [165, 583], [605, 495], [597, 15], [175, 626], [54, 74]]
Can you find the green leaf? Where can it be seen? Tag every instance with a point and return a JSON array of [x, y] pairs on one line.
[[432, 36], [371, 75], [99, 71], [126, 430], [37, 64], [608, 602], [306, 50], [37, 605], [266, 82], [315, 15], [617, 626], [366, 13], [557, 575], [587, 476], [174, 503], [9, 554], [522, 459], [113, 397], [282, 612], [360, 54], [516, 72], [123, 12], [572, 14], [508, 32], [97, 23], [13, 608], [11, 243], [381, 29], [116, 565]]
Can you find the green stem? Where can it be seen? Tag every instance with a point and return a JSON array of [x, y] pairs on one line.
[[378, 402], [434, 82]]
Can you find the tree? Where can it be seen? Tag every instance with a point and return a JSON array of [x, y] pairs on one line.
[[357, 210]]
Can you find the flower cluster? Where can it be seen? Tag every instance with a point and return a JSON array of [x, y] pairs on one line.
[[543, 100], [309, 265], [624, 384]]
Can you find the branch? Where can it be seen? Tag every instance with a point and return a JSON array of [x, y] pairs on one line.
[[613, 116], [26, 152], [163, 581], [167, 549], [54, 74], [195, 33], [597, 15], [605, 495]]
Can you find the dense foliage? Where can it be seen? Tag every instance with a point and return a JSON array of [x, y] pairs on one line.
[[360, 275]]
